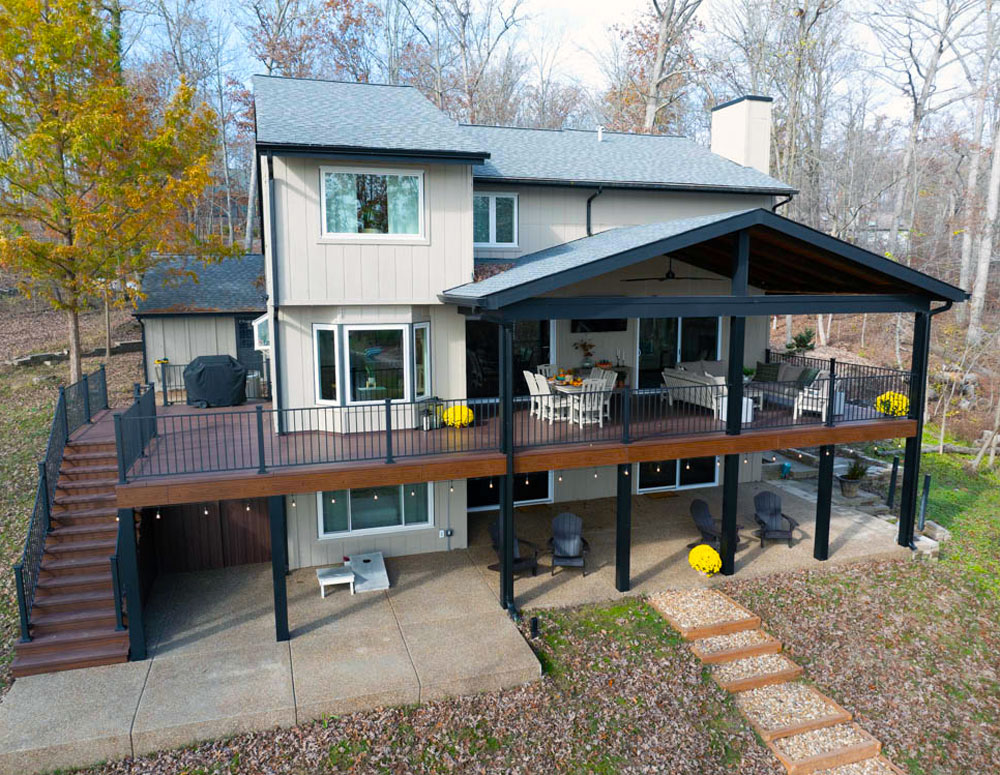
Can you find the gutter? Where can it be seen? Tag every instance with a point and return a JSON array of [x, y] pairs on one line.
[[633, 185], [782, 203], [591, 198]]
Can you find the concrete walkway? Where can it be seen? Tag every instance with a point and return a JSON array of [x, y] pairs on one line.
[[215, 669]]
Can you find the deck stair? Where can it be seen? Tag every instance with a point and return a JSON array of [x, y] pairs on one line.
[[806, 731], [73, 621]]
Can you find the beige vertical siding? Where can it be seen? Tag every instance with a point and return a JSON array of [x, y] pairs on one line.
[[184, 337], [550, 215], [306, 549], [316, 270]]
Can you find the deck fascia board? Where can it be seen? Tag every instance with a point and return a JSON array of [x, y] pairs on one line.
[[195, 488]]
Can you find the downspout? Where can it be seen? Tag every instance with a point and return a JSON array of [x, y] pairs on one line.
[[145, 355], [782, 203], [275, 332], [930, 316], [591, 198]]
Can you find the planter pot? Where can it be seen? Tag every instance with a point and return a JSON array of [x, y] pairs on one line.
[[849, 487]]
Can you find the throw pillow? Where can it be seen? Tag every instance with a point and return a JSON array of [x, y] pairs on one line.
[[807, 377], [716, 368], [766, 372], [789, 373]]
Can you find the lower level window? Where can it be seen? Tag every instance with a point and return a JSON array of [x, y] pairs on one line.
[[374, 508]]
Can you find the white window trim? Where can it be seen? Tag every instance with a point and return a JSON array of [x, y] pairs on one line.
[[355, 237], [428, 371], [256, 341], [336, 352], [493, 219], [518, 504], [322, 536], [407, 360]]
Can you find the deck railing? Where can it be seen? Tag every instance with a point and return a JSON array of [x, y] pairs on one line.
[[75, 407], [241, 439], [135, 428]]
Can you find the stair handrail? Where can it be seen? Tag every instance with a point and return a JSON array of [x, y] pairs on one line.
[[88, 395], [135, 428], [116, 586]]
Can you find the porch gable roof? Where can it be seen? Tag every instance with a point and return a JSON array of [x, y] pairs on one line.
[[786, 258]]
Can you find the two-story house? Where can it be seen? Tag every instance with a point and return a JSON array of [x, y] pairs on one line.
[[427, 281]]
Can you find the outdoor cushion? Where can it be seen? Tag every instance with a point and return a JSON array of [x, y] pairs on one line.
[[715, 368], [807, 377], [694, 366], [788, 373], [766, 372]]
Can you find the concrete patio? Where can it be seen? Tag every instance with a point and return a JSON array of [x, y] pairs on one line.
[[215, 669]]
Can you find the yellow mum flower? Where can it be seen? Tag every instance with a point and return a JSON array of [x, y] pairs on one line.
[[458, 416], [704, 559], [893, 404]]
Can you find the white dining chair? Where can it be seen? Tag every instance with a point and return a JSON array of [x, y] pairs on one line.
[[536, 398], [548, 369], [587, 407], [554, 406]]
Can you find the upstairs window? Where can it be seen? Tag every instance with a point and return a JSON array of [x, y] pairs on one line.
[[369, 203], [494, 220]]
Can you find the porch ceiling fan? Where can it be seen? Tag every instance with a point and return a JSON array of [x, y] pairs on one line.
[[670, 275]]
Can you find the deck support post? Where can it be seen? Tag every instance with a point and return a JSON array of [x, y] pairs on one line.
[[730, 499], [623, 530], [128, 566], [279, 550], [507, 536], [911, 459], [734, 407], [824, 494]]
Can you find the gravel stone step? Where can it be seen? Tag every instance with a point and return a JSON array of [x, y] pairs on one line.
[[877, 766], [752, 672], [701, 613], [735, 645], [785, 709], [825, 748]]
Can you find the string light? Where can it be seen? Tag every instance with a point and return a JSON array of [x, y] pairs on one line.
[[248, 505], [451, 487], [657, 468], [157, 513], [206, 511], [412, 493], [525, 480], [745, 461], [626, 472], [293, 503], [376, 496], [559, 478], [687, 467], [491, 484], [333, 499]]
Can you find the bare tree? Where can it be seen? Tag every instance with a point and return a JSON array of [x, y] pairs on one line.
[[671, 58]]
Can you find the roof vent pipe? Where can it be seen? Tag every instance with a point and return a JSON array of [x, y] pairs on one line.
[[600, 133]]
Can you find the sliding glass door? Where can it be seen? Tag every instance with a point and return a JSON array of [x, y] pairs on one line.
[[532, 347], [665, 342], [678, 474]]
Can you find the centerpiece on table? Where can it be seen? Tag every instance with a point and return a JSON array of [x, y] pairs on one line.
[[587, 348]]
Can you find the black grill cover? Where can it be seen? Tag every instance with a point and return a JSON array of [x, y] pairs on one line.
[[215, 380]]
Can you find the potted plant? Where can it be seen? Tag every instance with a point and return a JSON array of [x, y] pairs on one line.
[[850, 480], [587, 348]]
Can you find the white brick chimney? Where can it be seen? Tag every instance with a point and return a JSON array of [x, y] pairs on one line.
[[741, 131]]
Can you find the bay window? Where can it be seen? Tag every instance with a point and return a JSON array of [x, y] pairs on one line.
[[358, 202], [494, 220], [373, 509], [327, 365], [377, 363], [421, 360]]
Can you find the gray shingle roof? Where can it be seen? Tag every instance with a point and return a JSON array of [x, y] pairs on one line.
[[580, 252], [231, 285], [624, 159], [370, 117]]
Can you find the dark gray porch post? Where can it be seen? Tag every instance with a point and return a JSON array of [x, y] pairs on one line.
[[279, 551], [623, 532], [824, 494], [507, 480], [734, 406], [128, 566], [911, 460]]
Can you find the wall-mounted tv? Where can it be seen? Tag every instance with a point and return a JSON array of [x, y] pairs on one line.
[[598, 325]]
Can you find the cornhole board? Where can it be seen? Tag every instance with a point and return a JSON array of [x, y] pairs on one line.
[[369, 572]]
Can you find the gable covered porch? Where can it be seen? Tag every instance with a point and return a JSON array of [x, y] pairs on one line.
[[759, 264]]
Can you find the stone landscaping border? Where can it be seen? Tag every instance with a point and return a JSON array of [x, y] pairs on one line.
[[750, 622]]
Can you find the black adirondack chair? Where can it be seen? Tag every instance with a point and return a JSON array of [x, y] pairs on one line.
[[709, 527], [525, 552], [773, 523], [569, 547]]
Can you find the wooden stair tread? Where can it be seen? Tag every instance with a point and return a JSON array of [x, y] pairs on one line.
[[79, 484], [71, 639], [82, 546], [74, 563], [74, 598], [84, 656], [861, 746], [107, 511], [754, 672], [85, 617], [89, 497], [98, 527], [95, 455], [97, 468], [74, 580]]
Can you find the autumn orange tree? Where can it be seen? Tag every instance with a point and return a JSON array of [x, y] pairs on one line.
[[98, 176]]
